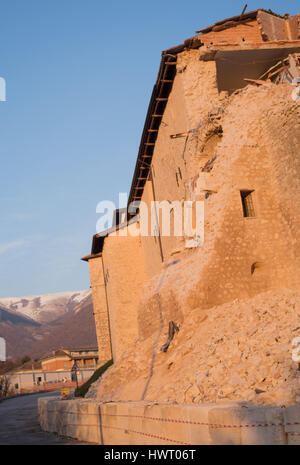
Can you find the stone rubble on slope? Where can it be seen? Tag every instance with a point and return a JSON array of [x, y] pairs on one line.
[[240, 352]]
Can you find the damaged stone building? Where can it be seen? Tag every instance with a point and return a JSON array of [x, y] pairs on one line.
[[221, 127]]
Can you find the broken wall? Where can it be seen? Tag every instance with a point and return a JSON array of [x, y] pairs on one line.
[[241, 256], [247, 32], [272, 27], [265, 27], [293, 27]]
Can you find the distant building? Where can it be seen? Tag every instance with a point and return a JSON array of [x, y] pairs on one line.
[[56, 368], [63, 359]]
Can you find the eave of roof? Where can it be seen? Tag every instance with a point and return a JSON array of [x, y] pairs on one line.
[[76, 349], [86, 258], [98, 239], [59, 353]]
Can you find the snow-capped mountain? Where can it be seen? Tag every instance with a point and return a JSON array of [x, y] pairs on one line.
[[36, 325], [47, 307]]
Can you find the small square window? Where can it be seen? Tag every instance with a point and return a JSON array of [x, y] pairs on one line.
[[247, 203]]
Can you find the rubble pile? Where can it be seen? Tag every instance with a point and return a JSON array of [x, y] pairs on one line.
[[241, 350]]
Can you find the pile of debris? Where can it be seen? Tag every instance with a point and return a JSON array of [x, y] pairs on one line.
[[286, 70], [241, 350]]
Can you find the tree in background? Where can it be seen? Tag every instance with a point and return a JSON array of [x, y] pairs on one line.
[[4, 386], [25, 359], [13, 364]]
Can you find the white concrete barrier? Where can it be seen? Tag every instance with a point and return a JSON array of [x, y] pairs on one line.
[[77, 419], [132, 423], [292, 424]]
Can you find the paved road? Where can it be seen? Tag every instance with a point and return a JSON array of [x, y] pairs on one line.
[[19, 423]]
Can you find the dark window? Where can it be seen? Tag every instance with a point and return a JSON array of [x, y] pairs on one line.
[[247, 202]]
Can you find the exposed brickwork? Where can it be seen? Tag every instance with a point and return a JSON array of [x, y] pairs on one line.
[[249, 32]]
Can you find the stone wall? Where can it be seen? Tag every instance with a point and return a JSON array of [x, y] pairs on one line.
[[100, 310], [124, 275]]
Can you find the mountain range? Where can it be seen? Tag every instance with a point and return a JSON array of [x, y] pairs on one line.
[[35, 325]]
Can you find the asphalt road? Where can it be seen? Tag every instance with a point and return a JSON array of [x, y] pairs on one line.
[[19, 423]]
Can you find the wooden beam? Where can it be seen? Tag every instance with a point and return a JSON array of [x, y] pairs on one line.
[[243, 11], [170, 55], [259, 82], [143, 163], [180, 134], [280, 62]]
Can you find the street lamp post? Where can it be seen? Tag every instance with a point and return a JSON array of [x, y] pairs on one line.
[[74, 370]]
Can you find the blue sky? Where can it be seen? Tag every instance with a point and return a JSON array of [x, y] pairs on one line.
[[79, 76]]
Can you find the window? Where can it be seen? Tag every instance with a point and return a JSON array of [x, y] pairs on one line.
[[247, 202]]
